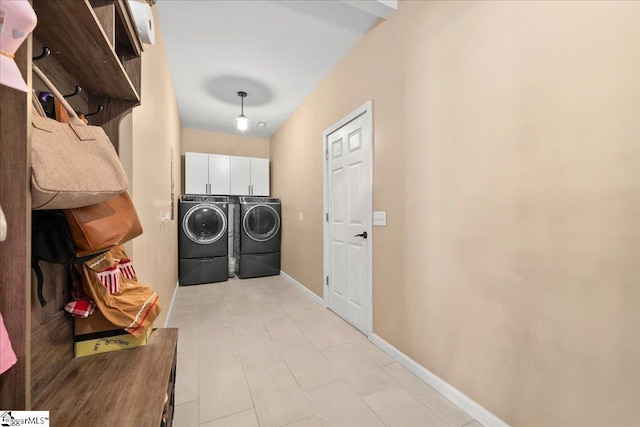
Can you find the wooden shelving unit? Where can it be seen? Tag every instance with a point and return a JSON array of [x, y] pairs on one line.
[[119, 389], [95, 63], [94, 45], [15, 295]]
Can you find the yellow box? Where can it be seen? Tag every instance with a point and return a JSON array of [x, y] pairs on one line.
[[95, 335]]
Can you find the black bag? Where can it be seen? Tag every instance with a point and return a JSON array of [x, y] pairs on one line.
[[51, 241]]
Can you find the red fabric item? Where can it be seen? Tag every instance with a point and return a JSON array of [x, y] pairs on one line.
[[77, 292], [110, 279], [82, 308], [81, 305], [126, 268]]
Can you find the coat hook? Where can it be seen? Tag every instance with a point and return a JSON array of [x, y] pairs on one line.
[[76, 91], [45, 52], [100, 108]]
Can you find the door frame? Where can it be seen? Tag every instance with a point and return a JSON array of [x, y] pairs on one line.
[[365, 110]]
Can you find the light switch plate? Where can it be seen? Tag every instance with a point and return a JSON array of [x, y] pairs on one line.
[[380, 219]]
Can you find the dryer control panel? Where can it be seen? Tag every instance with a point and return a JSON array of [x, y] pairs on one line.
[[206, 199]]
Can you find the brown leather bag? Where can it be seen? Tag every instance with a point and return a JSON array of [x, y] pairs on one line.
[[99, 227]]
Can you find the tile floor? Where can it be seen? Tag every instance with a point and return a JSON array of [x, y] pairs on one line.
[[259, 352]]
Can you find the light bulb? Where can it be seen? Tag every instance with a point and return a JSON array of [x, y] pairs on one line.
[[242, 122]]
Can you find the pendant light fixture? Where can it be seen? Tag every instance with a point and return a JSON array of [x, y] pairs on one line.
[[241, 121]]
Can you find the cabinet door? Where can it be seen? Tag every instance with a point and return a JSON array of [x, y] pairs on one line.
[[196, 173], [239, 175], [260, 177], [218, 174]]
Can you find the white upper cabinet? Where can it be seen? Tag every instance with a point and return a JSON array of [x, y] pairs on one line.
[[226, 175], [196, 173], [240, 176], [249, 176], [259, 177], [206, 173], [218, 174]]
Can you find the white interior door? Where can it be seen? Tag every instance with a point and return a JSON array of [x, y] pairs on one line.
[[349, 222]]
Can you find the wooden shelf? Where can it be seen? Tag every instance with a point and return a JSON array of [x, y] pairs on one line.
[[128, 28], [93, 44], [123, 388], [72, 31]]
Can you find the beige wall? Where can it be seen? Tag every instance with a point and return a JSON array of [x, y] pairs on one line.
[[202, 141], [155, 127], [506, 155]]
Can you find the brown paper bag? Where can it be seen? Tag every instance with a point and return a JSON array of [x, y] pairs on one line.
[[110, 281]]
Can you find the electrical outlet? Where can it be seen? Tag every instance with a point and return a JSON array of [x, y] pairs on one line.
[[300, 216], [165, 216]]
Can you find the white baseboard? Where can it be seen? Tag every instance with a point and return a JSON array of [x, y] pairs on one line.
[[173, 300], [304, 289], [464, 402]]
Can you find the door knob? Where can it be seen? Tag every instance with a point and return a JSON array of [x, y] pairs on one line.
[[363, 234]]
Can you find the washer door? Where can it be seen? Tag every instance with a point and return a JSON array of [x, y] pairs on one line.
[[261, 223], [205, 224]]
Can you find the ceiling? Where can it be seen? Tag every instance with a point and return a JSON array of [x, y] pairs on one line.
[[276, 51]]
